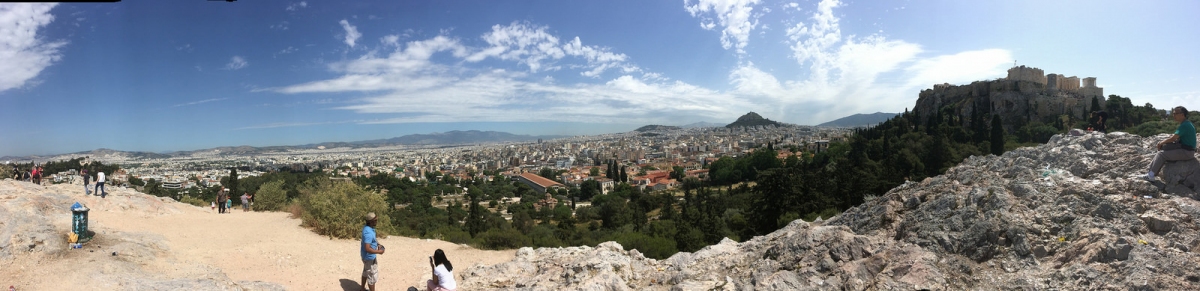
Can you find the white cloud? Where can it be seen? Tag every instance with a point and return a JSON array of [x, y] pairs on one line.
[[538, 49], [283, 25], [845, 73], [390, 40], [236, 63], [409, 87], [959, 68], [297, 6], [24, 54], [199, 102], [352, 34], [736, 17]]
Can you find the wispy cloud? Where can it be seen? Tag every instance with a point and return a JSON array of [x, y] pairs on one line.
[[352, 34], [736, 18], [185, 47], [282, 25], [236, 63], [23, 52], [536, 48], [297, 6], [198, 102], [846, 74], [412, 88]]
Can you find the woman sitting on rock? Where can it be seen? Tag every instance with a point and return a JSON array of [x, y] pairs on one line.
[[1180, 146], [442, 280]]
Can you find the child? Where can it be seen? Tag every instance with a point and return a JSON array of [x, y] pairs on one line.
[[213, 204], [442, 280], [228, 205]]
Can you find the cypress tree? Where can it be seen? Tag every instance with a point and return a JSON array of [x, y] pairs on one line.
[[997, 135]]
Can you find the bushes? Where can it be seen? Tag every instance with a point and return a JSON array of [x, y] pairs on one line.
[[336, 208], [195, 201], [270, 196], [497, 239], [651, 246]]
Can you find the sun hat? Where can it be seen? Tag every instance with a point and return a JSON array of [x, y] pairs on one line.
[[370, 216]]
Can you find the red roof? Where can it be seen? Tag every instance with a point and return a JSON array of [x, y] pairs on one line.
[[541, 181]]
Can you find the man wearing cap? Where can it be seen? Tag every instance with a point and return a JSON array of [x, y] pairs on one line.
[[369, 249]]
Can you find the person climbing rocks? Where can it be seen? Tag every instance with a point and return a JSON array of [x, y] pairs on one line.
[[1180, 146]]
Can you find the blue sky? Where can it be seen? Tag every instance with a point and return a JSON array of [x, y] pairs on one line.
[[184, 75]]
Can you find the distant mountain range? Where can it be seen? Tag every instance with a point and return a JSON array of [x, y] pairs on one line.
[[445, 138], [860, 120]]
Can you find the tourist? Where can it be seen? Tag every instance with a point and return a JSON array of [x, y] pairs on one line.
[[443, 279], [368, 251], [245, 202], [1098, 119], [1180, 146], [228, 205], [100, 184], [221, 200], [213, 204], [37, 179], [86, 180]]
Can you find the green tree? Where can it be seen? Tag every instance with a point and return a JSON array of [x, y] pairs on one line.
[[997, 139], [233, 180], [595, 171], [678, 173], [270, 196], [475, 213]]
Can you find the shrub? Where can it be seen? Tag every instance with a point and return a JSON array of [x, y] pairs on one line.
[[498, 239], [195, 201], [336, 208], [450, 234], [270, 196], [651, 246]]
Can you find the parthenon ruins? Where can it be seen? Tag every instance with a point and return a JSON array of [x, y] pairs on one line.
[[1056, 82]]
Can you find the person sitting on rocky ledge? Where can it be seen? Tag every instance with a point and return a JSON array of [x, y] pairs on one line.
[[1180, 146]]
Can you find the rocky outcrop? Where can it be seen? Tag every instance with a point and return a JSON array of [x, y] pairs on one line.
[[1072, 214], [1017, 102]]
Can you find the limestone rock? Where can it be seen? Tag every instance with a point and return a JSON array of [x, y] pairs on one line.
[[1066, 215]]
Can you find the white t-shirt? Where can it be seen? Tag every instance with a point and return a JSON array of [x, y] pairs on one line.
[[100, 177], [445, 278]]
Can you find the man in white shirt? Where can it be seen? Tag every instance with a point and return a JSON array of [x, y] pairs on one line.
[[100, 184]]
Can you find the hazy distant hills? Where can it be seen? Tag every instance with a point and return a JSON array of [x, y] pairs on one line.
[[444, 138], [654, 127], [860, 120], [453, 137]]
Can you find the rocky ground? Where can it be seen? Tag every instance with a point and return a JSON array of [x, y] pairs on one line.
[[1072, 214], [144, 242]]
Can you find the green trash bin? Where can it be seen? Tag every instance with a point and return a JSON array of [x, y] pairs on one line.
[[79, 222]]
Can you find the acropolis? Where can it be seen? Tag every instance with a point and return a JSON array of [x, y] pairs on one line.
[[1056, 82]]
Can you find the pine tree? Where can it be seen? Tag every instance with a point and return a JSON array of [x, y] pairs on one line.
[[997, 135], [233, 180]]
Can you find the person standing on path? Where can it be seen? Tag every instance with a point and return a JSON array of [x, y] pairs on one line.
[[100, 184], [221, 200], [86, 180], [245, 202], [1180, 146], [368, 251]]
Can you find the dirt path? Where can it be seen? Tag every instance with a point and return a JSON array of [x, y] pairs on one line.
[[248, 246]]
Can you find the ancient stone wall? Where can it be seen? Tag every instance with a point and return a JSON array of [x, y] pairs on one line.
[[1023, 73]]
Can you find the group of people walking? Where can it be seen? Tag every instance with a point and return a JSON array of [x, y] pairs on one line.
[[370, 249], [99, 187], [224, 204], [33, 175]]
